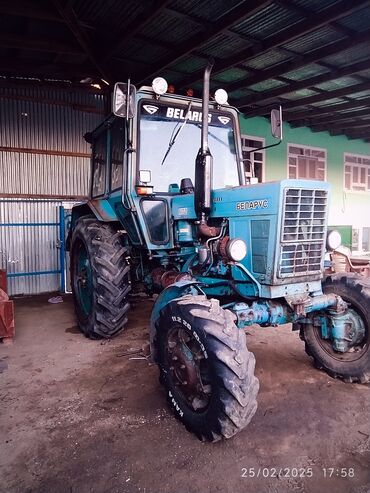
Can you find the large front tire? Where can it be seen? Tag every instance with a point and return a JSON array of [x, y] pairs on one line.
[[100, 278], [206, 367], [354, 365]]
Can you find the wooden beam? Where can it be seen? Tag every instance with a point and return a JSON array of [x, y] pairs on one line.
[[323, 96], [339, 125], [72, 23], [313, 22], [22, 8], [35, 69], [235, 16], [30, 10], [47, 45], [324, 110], [264, 96], [331, 118], [351, 135]]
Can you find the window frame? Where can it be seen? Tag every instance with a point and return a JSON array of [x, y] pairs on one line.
[[263, 142], [104, 131], [312, 148], [351, 154], [110, 154], [182, 104], [156, 199]]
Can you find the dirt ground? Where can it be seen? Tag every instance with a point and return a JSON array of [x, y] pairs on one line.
[[86, 416]]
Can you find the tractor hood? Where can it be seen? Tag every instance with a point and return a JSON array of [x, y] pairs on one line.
[[247, 200]]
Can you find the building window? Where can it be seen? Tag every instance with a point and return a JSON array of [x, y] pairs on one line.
[[254, 167], [365, 239], [307, 163], [356, 173]]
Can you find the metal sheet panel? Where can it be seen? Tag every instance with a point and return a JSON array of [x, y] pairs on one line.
[[42, 150], [35, 174], [30, 249]]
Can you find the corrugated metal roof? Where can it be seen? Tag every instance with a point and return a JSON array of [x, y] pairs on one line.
[[267, 85], [189, 64], [268, 59], [296, 95], [240, 93], [231, 75], [306, 72], [113, 14], [209, 11], [134, 39], [313, 40], [337, 83], [142, 51], [225, 45], [170, 29], [358, 53], [328, 102], [314, 5], [358, 21], [267, 22], [360, 95]]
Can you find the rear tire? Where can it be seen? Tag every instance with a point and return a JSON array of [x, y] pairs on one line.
[[354, 366], [100, 278], [212, 388]]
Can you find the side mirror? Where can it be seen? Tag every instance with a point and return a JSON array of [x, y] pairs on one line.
[[124, 98], [277, 123]]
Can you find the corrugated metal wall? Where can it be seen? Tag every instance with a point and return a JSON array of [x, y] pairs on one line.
[[29, 234], [42, 150], [42, 153]]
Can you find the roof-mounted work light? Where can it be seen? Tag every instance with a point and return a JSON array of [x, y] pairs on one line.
[[159, 86], [221, 96]]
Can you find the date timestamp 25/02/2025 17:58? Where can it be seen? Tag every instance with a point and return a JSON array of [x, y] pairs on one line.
[[297, 472]]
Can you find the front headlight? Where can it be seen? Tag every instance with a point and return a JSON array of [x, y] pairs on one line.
[[236, 249], [333, 240]]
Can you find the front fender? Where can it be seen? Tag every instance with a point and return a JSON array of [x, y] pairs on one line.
[[176, 290]]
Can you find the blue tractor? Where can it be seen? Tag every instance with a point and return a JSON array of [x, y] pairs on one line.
[[169, 217]]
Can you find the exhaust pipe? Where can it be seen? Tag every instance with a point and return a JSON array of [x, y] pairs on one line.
[[204, 160]]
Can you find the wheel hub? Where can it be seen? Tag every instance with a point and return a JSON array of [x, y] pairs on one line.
[[188, 368], [83, 280]]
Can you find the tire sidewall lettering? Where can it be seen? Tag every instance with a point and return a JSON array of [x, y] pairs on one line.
[[175, 404], [188, 326]]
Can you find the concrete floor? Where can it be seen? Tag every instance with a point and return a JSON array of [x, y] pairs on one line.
[[85, 416]]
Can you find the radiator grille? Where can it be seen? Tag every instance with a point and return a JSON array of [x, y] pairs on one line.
[[303, 231]]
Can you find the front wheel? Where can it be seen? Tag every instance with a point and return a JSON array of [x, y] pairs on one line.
[[353, 365], [100, 278], [206, 367]]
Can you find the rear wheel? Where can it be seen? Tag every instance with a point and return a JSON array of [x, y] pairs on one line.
[[353, 365], [100, 277], [206, 367]]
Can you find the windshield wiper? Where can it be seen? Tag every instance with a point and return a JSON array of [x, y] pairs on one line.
[[176, 132]]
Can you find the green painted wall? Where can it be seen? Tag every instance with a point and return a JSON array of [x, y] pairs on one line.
[[346, 208]]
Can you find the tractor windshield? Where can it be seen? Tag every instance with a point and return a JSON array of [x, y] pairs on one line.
[[158, 123]]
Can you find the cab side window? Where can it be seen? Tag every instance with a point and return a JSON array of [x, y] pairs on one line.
[[99, 165], [117, 152], [156, 218]]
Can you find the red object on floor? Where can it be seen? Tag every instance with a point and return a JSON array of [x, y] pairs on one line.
[[3, 281], [7, 327]]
